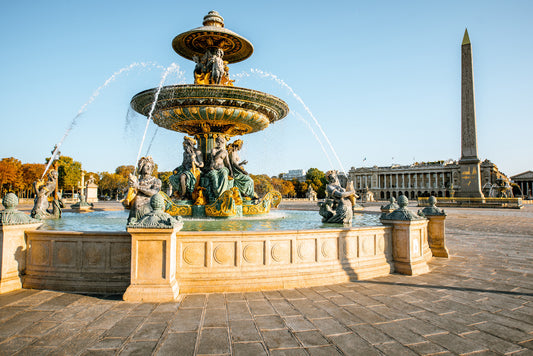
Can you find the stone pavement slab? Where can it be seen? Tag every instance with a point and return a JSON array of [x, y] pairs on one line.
[[477, 302]]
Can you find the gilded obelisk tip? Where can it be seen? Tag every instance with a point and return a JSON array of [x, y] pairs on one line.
[[466, 39]]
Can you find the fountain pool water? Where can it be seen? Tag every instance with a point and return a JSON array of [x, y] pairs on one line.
[[275, 220]]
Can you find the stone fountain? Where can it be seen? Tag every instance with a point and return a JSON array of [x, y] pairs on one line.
[[155, 261], [212, 111]]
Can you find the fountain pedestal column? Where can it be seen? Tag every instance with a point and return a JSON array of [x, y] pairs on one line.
[[153, 266], [410, 248], [13, 255], [436, 228], [436, 232]]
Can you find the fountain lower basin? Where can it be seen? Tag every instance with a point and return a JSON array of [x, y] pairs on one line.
[[215, 261]]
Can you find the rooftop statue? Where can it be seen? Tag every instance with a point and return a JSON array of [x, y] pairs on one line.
[[141, 189]]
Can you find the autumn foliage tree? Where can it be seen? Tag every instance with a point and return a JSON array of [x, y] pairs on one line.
[[31, 172], [125, 171], [262, 184], [285, 187], [10, 175]]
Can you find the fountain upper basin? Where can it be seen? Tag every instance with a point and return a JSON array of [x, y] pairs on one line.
[[196, 109]]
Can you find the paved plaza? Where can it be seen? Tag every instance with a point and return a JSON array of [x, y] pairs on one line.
[[479, 301]]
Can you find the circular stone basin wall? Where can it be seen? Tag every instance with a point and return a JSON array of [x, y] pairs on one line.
[[212, 261]]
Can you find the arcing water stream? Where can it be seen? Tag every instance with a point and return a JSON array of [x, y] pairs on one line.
[[282, 83], [74, 121], [171, 68]]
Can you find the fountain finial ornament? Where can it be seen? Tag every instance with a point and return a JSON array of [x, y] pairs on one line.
[[402, 213], [213, 18], [432, 209], [10, 215]]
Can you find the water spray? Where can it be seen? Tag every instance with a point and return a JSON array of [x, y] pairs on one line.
[[173, 67], [299, 99], [181, 80], [74, 121]]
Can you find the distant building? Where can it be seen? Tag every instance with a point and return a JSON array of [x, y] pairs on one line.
[[298, 174], [440, 179], [525, 182]]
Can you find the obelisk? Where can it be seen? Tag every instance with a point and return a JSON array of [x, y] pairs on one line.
[[469, 162]]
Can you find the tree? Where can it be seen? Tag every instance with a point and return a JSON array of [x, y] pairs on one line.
[[31, 172], [111, 184], [125, 171], [262, 184], [10, 175], [69, 173], [317, 179], [286, 188], [300, 188]]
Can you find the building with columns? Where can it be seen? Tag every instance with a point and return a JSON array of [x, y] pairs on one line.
[[525, 183], [440, 179]]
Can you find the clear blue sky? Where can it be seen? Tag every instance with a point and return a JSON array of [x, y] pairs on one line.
[[382, 78]]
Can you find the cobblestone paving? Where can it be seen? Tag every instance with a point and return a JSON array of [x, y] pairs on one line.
[[480, 301]]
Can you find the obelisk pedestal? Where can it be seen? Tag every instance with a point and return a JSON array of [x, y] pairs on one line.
[[469, 163]]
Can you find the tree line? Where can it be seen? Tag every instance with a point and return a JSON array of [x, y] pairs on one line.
[[18, 177]]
